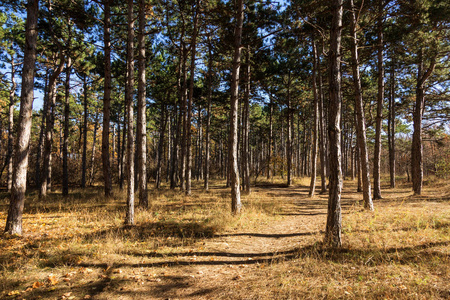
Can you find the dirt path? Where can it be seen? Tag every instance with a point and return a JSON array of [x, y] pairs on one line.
[[215, 268]]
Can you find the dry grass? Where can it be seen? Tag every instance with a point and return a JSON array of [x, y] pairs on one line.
[[192, 247]]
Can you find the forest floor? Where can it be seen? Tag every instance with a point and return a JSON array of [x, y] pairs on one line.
[[192, 248]]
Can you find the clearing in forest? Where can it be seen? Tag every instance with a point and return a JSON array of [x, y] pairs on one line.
[[192, 248]]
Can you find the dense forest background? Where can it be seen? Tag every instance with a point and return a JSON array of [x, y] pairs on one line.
[[139, 92]]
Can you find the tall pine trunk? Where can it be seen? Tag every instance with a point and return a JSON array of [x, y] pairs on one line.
[[129, 218], [85, 121], [106, 99], [208, 115], [141, 134], [391, 126], [380, 96], [19, 178], [65, 185], [334, 218], [417, 147], [312, 186], [233, 136], [246, 129], [360, 120], [188, 171]]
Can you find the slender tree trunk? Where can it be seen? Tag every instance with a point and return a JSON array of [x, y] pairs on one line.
[[334, 218], [322, 136], [417, 147], [312, 186], [19, 179], [37, 176], [184, 108], [141, 134], [161, 144], [233, 137], [289, 133], [107, 99], [190, 102], [94, 142], [9, 157], [65, 185], [246, 129], [123, 149], [360, 120], [380, 96], [129, 219], [208, 115], [269, 152], [85, 121], [50, 122], [391, 127]]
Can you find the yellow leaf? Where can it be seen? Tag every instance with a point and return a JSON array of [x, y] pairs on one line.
[[52, 279], [12, 293]]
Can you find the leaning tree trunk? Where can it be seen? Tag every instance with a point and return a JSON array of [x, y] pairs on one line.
[[360, 120], [379, 118], [334, 218], [141, 134], [233, 137], [312, 186], [129, 218], [417, 147], [19, 178], [106, 99]]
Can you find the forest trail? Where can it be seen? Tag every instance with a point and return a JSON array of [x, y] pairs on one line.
[[218, 266]]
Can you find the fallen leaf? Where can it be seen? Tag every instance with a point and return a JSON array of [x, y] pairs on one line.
[[52, 279], [12, 293], [36, 285]]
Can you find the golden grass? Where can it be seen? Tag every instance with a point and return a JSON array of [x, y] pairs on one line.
[[192, 247]]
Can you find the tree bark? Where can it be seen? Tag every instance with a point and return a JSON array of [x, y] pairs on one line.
[[65, 185], [246, 129], [380, 96], [19, 178], [162, 130], [141, 134], [334, 218], [129, 218], [233, 137], [391, 127], [85, 121], [191, 101], [208, 115], [289, 132], [107, 99], [38, 170], [312, 186], [94, 141], [417, 147], [360, 120], [9, 155]]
